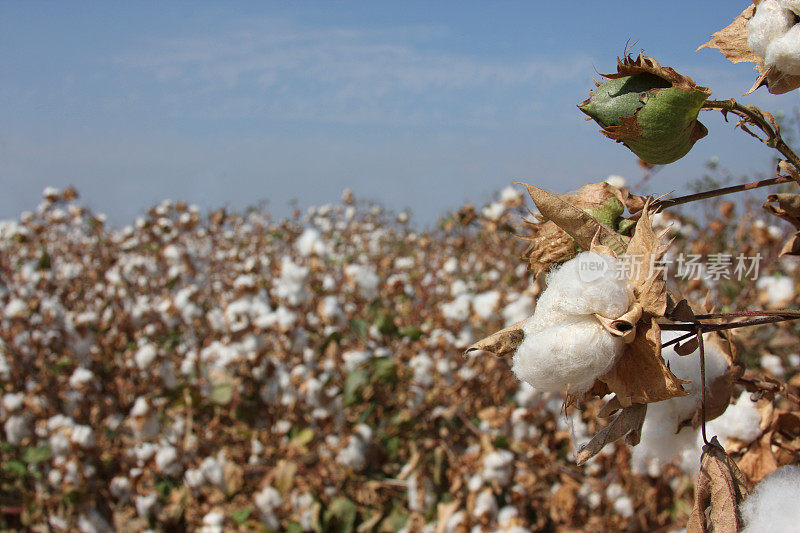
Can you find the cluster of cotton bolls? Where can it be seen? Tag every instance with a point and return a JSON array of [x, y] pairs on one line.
[[228, 370], [774, 35]]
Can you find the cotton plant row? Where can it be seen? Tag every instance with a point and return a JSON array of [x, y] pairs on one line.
[[187, 368]]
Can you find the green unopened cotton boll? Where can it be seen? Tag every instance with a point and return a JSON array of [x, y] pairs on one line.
[[653, 111], [565, 348]]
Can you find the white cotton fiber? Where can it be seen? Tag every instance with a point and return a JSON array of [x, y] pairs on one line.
[[740, 421], [773, 504], [784, 52], [565, 347], [769, 23], [660, 444], [588, 283]]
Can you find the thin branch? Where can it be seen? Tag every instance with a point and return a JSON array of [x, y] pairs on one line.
[[663, 204], [702, 383], [730, 325], [750, 114]]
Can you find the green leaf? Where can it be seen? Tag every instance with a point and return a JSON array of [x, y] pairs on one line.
[[412, 332], [240, 516], [340, 516], [360, 327], [384, 370], [303, 437], [354, 386], [14, 467], [36, 455], [222, 393]]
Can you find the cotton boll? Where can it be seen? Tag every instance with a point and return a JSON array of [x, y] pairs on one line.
[[518, 310], [791, 5], [570, 355], [498, 466], [485, 304], [267, 501], [769, 23], [589, 283], [565, 347], [740, 421], [772, 364], [784, 52], [772, 506]]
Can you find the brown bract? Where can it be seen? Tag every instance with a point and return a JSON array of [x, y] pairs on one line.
[[732, 42], [627, 66], [719, 490], [565, 212]]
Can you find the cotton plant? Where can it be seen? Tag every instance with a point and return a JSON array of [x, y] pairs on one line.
[[594, 330]]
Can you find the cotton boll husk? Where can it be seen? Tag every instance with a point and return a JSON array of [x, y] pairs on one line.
[[772, 506], [784, 52], [570, 354], [769, 23]]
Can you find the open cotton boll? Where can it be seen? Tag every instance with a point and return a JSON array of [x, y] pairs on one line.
[[740, 421], [565, 347], [769, 23], [784, 52], [772, 506], [568, 355], [586, 284], [660, 444]]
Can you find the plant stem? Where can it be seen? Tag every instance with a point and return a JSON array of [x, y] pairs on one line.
[[764, 121], [730, 325], [663, 204], [702, 382]]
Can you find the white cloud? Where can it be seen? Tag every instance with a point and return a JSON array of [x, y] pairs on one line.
[[282, 71]]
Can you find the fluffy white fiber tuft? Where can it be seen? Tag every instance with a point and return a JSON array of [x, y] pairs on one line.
[[784, 52], [774, 36], [660, 444], [565, 347], [770, 22], [773, 504], [740, 421]]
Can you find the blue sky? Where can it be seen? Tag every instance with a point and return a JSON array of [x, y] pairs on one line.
[[420, 105]]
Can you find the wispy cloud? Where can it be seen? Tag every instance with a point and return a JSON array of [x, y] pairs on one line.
[[289, 72]]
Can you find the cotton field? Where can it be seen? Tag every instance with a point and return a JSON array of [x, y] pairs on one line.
[[229, 371]]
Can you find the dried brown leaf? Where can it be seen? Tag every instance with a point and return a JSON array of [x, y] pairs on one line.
[[719, 490], [579, 224], [682, 312], [624, 326], [732, 39], [759, 461], [785, 206], [640, 375], [644, 251], [687, 347], [627, 423], [792, 246], [502, 343]]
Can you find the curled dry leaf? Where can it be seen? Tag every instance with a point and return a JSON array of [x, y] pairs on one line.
[[628, 423], [640, 375], [719, 490], [732, 42], [785, 206], [762, 456], [571, 213], [643, 254], [503, 343], [624, 326]]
